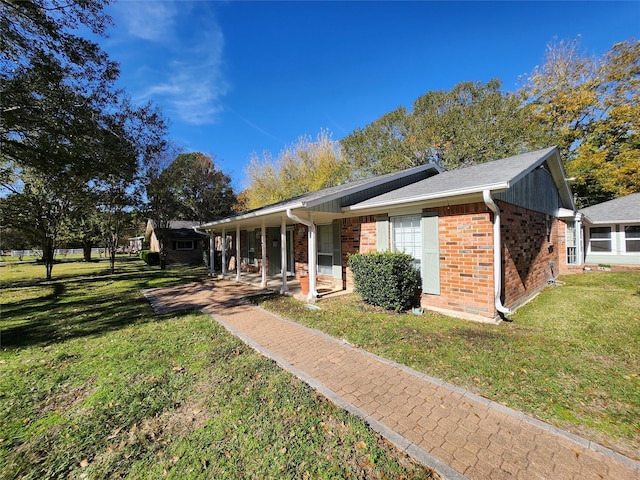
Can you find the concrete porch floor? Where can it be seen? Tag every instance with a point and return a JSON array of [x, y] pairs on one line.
[[274, 284]]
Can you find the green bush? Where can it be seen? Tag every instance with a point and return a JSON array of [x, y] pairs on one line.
[[149, 257], [387, 279]]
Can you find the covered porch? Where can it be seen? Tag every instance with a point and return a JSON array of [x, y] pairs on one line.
[[279, 251]]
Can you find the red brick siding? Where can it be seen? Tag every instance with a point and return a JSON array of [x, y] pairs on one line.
[[358, 235], [300, 250], [530, 252], [466, 260]]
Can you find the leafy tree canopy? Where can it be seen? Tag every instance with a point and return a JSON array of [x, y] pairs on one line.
[[304, 166], [471, 123], [590, 107], [199, 190]]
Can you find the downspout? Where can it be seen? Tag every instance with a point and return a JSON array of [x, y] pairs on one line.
[[311, 237], [497, 252]]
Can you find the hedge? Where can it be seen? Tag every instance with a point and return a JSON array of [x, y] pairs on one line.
[[386, 279], [149, 257]]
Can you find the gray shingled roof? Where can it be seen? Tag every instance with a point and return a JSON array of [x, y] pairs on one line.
[[493, 175], [312, 199], [619, 210]]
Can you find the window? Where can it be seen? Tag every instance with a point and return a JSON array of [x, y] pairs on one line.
[[572, 246], [632, 238], [600, 239], [184, 245], [325, 249], [407, 236]]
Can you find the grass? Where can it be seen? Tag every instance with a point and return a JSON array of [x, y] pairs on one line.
[[94, 385], [570, 357]]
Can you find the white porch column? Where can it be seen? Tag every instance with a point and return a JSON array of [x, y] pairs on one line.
[[283, 254], [224, 252], [238, 253], [313, 260], [212, 252], [263, 241], [312, 251]]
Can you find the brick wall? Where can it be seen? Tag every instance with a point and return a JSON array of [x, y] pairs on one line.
[[529, 249], [358, 235], [530, 252], [466, 260]]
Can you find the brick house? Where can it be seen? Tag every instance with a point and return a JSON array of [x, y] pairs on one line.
[[486, 238], [185, 245]]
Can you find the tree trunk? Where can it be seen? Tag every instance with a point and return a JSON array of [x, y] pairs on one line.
[[47, 257], [87, 245], [112, 260]]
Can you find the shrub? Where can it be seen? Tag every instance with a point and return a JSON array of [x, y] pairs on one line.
[[149, 257], [387, 279]]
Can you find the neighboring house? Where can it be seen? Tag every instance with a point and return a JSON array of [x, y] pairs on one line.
[[134, 244], [486, 237], [612, 231], [185, 245]]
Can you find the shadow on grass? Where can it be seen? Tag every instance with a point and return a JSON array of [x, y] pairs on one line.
[[83, 307]]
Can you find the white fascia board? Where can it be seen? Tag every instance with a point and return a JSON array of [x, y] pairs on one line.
[[247, 216], [626, 221], [494, 188], [566, 213]]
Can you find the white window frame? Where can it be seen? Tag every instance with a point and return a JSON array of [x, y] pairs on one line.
[[612, 233], [324, 269], [190, 242], [624, 239], [416, 252]]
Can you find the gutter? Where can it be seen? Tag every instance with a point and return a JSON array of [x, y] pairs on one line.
[[311, 238], [497, 252]]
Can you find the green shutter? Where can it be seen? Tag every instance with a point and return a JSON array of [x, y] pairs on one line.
[[430, 254], [382, 234]]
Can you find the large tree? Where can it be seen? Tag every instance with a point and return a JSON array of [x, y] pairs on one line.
[[200, 190], [471, 123], [65, 129], [590, 107], [304, 166]]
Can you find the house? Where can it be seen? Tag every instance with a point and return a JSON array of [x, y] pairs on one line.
[[612, 231], [185, 245], [134, 244], [486, 238]]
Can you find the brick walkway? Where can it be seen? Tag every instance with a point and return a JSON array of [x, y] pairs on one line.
[[457, 433]]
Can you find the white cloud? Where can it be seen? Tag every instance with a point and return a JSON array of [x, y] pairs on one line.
[[193, 84], [149, 20], [178, 49]]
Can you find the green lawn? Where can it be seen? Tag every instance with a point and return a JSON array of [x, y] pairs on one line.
[[570, 357], [94, 385]]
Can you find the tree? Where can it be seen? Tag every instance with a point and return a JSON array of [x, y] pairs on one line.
[[39, 211], [53, 81], [382, 146], [471, 123], [201, 192], [65, 130], [590, 107], [302, 167]]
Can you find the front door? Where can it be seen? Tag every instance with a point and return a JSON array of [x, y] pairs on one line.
[[274, 251]]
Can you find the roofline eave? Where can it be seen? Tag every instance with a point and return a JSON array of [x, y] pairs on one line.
[[495, 188]]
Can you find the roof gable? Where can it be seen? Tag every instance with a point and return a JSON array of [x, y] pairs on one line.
[[497, 175]]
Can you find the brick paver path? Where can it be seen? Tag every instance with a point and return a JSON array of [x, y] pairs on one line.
[[459, 434]]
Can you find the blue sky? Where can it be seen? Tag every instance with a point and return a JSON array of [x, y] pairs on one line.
[[242, 77]]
